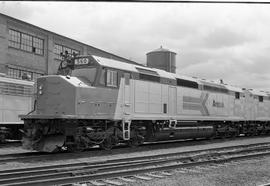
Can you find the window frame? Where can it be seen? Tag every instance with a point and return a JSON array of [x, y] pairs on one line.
[[62, 48], [25, 42], [260, 98], [17, 73], [187, 83], [113, 75], [148, 77], [215, 89], [237, 95], [14, 39]]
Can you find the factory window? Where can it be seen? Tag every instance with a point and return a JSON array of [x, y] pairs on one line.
[[187, 83], [14, 38], [69, 50], [260, 98], [111, 78], [149, 77], [58, 49], [38, 46], [237, 95], [22, 74], [25, 42]]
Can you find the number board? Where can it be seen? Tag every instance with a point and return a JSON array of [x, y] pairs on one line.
[[82, 61]]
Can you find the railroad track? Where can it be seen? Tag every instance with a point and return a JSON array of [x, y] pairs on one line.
[[5, 158], [121, 169], [33, 156], [12, 143]]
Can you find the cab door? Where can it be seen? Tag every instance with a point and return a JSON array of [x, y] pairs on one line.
[[172, 101]]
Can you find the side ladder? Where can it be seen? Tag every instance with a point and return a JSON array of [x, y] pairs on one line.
[[126, 129]]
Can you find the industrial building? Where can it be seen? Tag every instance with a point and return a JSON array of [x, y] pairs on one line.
[[30, 51]]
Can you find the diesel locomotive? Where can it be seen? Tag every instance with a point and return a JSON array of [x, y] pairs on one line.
[[16, 97], [97, 101]]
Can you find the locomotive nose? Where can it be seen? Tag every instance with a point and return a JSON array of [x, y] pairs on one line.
[[55, 96]]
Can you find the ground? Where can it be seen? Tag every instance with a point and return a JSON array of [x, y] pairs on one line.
[[248, 172]]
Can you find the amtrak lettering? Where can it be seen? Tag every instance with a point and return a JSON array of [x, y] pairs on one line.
[[218, 104]]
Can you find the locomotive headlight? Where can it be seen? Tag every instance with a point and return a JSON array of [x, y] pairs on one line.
[[40, 92], [40, 87]]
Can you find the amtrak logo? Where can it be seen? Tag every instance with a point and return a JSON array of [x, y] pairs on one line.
[[193, 103], [218, 104]]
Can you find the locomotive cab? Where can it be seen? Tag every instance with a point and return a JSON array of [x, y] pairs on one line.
[[84, 94]]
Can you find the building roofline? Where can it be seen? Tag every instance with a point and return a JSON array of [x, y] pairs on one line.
[[29, 24]]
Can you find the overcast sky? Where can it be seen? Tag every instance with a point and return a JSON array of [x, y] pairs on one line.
[[212, 41]]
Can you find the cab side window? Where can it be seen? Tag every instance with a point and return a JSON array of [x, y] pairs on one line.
[[102, 77], [111, 78], [237, 95]]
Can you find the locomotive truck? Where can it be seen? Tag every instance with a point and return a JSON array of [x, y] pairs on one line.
[[100, 101]]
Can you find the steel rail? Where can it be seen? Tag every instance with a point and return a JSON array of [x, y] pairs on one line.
[[130, 172], [112, 167], [21, 156], [4, 158], [57, 166]]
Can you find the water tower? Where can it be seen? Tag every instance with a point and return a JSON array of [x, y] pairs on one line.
[[162, 58]]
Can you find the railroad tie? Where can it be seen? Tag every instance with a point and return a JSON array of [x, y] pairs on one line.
[[226, 164], [193, 170], [113, 182], [143, 177], [203, 168], [127, 179], [79, 184], [82, 184], [181, 171], [214, 166], [166, 173], [154, 175], [266, 184], [184, 170], [235, 163], [97, 183]]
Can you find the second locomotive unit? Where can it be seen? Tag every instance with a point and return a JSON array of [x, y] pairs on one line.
[[16, 98], [100, 101]]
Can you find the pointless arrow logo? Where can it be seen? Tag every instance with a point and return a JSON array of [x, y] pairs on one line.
[[195, 103]]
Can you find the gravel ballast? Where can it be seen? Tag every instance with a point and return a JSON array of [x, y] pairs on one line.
[[248, 172]]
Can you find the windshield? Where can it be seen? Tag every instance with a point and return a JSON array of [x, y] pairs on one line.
[[87, 75]]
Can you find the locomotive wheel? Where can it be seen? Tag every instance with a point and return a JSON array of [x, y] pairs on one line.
[[107, 144], [235, 134], [2, 138], [74, 148], [135, 141]]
